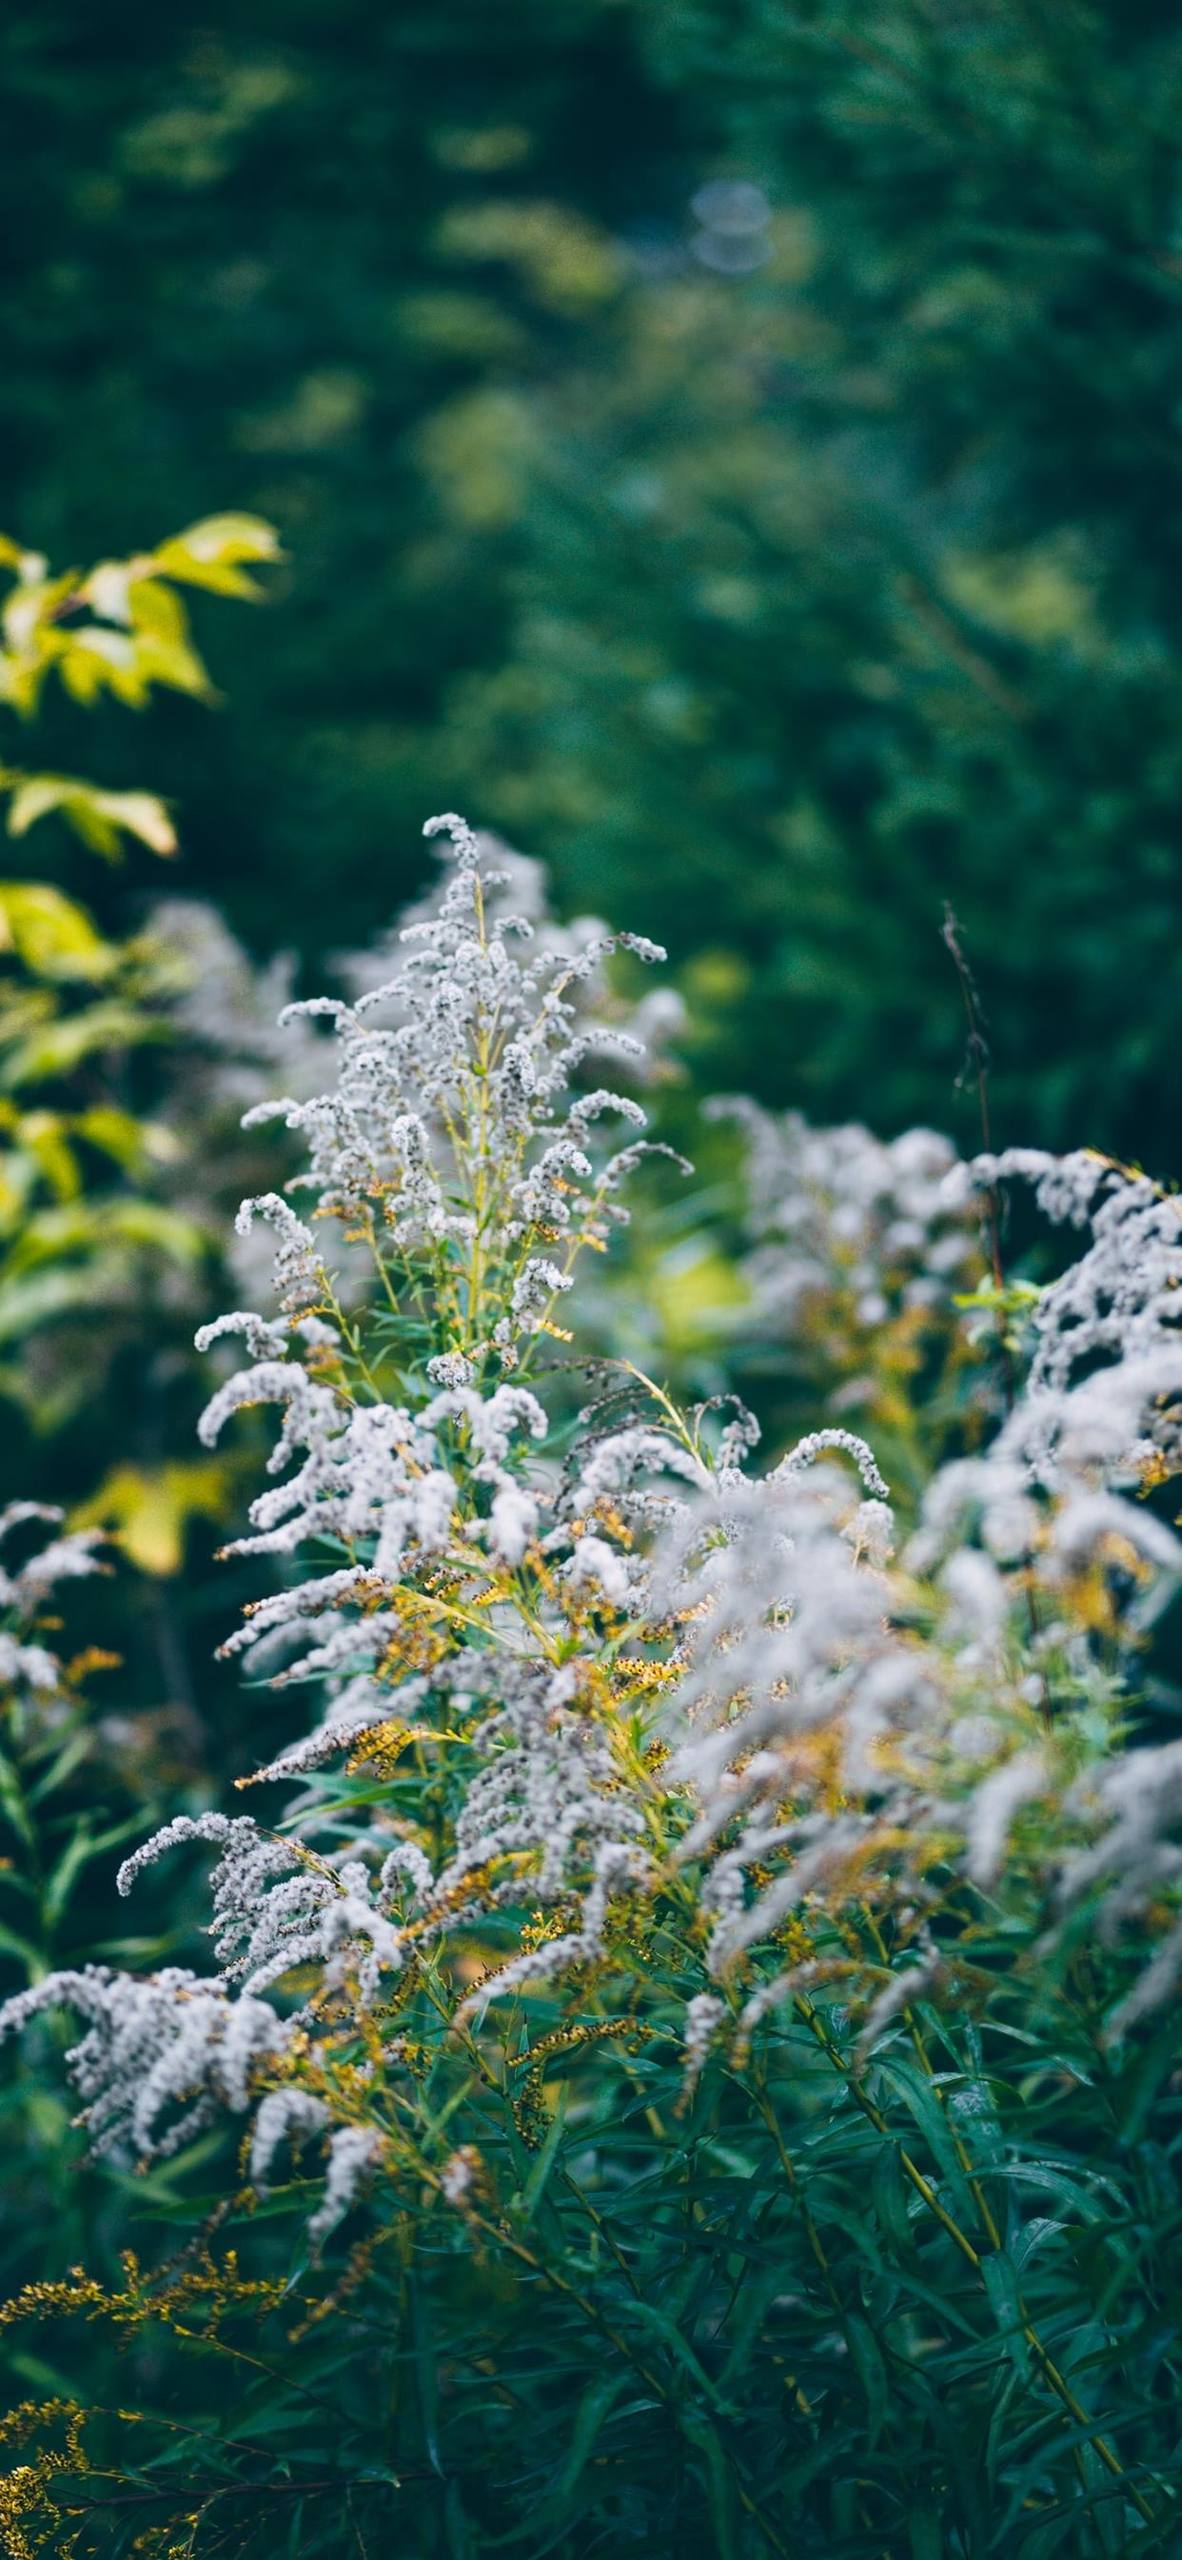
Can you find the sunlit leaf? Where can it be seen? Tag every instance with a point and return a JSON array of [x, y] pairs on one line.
[[149, 1509]]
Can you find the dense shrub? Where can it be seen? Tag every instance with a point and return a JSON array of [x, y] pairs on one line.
[[689, 2061]]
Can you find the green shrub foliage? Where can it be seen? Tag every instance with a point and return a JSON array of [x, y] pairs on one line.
[[688, 2057]]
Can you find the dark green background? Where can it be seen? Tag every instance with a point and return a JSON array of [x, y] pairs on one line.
[[771, 607]]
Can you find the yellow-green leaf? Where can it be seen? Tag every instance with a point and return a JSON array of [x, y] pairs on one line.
[[129, 1142], [209, 554], [99, 817], [55, 1048], [52, 935], [150, 1511]]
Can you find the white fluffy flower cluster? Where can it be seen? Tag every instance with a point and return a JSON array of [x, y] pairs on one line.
[[290, 2116], [452, 1130], [837, 1216], [161, 2057], [233, 1052], [29, 1669], [375, 1476], [276, 1906], [1133, 1810], [226, 1005], [1104, 1391], [828, 1719], [787, 1642], [1099, 1417]]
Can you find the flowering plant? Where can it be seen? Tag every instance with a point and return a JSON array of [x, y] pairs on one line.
[[677, 1848]]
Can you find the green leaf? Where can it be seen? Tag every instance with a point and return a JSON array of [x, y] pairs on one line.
[[210, 554], [867, 2356], [25, 1952], [57, 1048], [657, 2321], [720, 2484], [100, 817], [541, 2167], [1001, 2285], [127, 1141], [52, 934], [78, 1854], [149, 1509], [12, 1802], [595, 2405]]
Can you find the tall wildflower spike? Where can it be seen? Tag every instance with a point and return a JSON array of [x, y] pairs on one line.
[[459, 1148]]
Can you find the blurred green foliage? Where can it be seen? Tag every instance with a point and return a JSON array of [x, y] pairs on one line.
[[77, 1218], [729, 445]]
